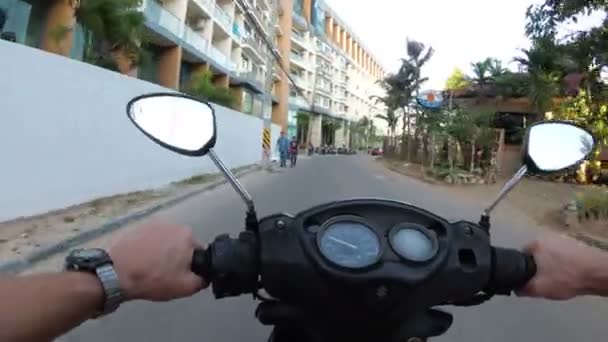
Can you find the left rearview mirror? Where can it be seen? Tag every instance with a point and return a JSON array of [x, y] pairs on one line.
[[175, 121]]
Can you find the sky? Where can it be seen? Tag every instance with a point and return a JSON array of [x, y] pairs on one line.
[[460, 31]]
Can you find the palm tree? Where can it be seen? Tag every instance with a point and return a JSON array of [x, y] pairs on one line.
[[544, 63], [481, 73], [113, 31], [407, 83], [391, 119], [495, 68]]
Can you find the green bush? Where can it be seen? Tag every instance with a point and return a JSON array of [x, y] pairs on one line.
[[592, 204], [201, 86]]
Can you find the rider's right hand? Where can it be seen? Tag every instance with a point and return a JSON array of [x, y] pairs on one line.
[[566, 268], [153, 262]]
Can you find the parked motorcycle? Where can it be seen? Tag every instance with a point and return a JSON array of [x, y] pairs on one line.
[[359, 269]]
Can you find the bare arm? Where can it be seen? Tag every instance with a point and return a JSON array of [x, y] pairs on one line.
[[567, 268], [152, 263], [43, 307]]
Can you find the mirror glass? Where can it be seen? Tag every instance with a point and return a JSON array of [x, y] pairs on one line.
[[554, 146], [179, 122]]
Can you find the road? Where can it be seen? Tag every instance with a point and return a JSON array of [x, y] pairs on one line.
[[326, 178]]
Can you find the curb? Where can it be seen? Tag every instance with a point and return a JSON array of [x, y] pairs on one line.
[[18, 265]]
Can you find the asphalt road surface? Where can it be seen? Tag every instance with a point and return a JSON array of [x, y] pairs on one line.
[[326, 178]]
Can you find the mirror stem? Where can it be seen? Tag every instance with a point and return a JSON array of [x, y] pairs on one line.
[[232, 179], [506, 189]]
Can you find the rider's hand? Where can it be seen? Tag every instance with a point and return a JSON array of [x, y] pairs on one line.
[[564, 267], [153, 262]]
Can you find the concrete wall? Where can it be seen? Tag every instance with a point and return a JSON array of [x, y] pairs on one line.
[[65, 137]]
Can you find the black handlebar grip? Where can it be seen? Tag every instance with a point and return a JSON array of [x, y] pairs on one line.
[[201, 264], [511, 270]]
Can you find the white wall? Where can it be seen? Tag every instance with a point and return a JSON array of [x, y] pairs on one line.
[[65, 137]]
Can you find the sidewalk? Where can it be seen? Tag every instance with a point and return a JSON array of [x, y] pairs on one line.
[[28, 240]]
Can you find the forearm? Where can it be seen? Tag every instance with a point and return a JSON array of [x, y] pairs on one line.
[[43, 307], [596, 274]]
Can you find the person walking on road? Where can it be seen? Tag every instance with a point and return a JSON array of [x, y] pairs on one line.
[[293, 152], [283, 147]]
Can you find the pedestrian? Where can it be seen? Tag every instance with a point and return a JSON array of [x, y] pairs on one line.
[[492, 173], [293, 151], [283, 147]]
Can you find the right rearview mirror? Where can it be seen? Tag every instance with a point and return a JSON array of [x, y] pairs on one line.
[[554, 146]]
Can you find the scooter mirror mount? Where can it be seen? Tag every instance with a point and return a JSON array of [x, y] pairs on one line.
[[549, 147]]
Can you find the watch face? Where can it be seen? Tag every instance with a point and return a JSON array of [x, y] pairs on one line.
[[87, 259], [94, 253]]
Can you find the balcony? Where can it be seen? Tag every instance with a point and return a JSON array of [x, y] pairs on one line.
[[231, 65], [299, 60], [253, 48], [157, 15], [323, 90], [218, 56], [205, 5], [299, 101], [223, 18], [300, 41], [300, 82], [257, 14], [195, 40]]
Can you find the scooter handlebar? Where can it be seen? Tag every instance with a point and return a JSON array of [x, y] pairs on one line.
[[511, 270]]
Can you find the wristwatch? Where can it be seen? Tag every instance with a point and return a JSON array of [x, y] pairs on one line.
[[98, 262]]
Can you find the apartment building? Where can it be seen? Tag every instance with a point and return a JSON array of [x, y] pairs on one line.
[[334, 73], [183, 36], [330, 73]]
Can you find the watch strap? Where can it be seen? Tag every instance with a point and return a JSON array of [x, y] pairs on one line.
[[111, 286]]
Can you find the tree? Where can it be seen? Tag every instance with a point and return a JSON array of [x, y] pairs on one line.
[[114, 31], [405, 84], [201, 86], [495, 68], [457, 80], [303, 124], [481, 72], [391, 120]]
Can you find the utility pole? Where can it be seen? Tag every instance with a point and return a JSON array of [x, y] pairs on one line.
[[267, 98]]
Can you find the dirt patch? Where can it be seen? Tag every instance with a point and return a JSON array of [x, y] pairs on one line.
[[544, 201], [26, 235], [409, 169]]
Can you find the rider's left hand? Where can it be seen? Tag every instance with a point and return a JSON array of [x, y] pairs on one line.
[[153, 262]]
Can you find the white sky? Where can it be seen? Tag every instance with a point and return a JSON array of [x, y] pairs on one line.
[[460, 31]]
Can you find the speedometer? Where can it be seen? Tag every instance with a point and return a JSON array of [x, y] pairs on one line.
[[349, 242]]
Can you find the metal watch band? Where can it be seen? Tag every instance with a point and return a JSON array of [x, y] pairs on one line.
[[111, 286]]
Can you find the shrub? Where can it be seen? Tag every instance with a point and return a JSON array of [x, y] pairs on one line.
[[201, 86], [592, 204]]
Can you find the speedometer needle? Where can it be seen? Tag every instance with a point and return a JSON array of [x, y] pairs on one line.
[[344, 243]]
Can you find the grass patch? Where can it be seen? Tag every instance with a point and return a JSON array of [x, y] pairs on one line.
[[198, 179], [592, 205], [208, 177]]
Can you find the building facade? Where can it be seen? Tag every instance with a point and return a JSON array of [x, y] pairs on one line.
[[182, 37], [334, 73], [278, 57]]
